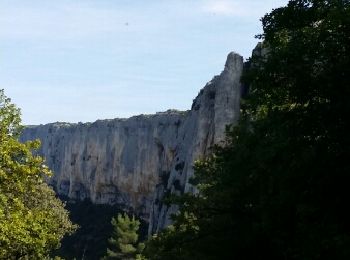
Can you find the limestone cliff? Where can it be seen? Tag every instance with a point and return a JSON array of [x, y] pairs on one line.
[[134, 162], [217, 105]]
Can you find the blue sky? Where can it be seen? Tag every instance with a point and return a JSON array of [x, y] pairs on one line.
[[83, 60]]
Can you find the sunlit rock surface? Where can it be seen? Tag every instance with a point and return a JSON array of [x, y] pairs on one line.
[[134, 162]]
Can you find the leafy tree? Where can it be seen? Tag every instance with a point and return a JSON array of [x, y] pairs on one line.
[[32, 219], [279, 188], [124, 241]]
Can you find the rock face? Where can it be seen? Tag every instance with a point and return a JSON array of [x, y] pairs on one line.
[[217, 105], [134, 162]]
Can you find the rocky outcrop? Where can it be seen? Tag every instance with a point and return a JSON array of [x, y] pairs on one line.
[[216, 106], [134, 162]]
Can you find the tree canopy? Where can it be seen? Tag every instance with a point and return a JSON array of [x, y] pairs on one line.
[[32, 219], [279, 188]]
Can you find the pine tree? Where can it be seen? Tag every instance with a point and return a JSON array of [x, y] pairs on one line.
[[124, 241]]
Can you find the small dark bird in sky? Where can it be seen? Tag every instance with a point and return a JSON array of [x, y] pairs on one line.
[[126, 24]]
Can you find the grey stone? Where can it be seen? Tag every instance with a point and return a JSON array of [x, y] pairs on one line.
[[134, 162]]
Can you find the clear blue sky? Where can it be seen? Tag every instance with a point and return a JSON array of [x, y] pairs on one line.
[[83, 60]]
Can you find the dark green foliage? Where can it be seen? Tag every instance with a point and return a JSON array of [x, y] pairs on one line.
[[90, 240], [279, 188], [124, 241]]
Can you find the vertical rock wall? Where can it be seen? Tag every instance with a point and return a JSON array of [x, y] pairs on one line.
[[134, 162], [217, 105]]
